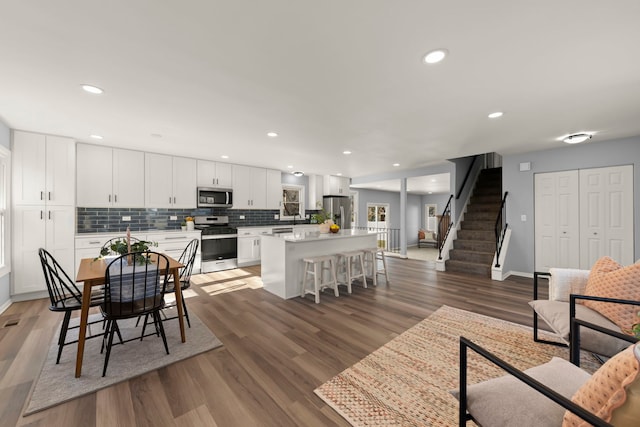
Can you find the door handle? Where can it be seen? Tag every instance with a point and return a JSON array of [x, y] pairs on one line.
[[174, 200], [115, 198], [49, 195], [41, 215], [49, 212], [109, 198], [42, 195]]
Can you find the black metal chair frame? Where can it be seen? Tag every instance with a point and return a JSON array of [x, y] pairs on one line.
[[187, 258], [64, 296], [572, 313], [464, 416], [151, 303]]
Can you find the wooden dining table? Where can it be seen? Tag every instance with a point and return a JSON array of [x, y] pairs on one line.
[[92, 272]]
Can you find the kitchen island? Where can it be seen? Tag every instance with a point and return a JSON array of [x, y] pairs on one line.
[[282, 255]]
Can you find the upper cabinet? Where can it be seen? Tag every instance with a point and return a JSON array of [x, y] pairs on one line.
[[170, 182], [336, 185], [213, 174], [249, 188], [43, 169], [110, 177], [274, 189], [315, 192]]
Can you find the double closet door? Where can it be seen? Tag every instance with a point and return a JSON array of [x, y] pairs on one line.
[[581, 215]]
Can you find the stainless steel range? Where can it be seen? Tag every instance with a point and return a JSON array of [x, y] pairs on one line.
[[219, 246]]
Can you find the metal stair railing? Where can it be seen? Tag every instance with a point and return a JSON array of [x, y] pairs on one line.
[[444, 226], [500, 228]]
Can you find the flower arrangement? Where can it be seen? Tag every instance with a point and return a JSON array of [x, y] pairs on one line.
[[189, 218]]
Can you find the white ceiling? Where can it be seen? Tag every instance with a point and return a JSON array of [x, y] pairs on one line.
[[213, 77], [430, 184]]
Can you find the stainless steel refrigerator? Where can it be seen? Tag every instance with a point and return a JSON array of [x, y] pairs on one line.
[[339, 207]]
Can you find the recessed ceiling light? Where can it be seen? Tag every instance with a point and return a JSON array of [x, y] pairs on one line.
[[156, 135], [396, 164], [224, 156], [298, 173], [430, 192], [577, 138], [339, 174], [347, 152], [289, 166], [433, 180], [272, 134], [496, 115], [435, 56], [96, 136], [92, 89]]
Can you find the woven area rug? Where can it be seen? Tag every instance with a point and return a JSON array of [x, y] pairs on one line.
[[407, 381], [57, 383]]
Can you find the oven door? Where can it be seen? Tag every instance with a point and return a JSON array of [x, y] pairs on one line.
[[219, 252]]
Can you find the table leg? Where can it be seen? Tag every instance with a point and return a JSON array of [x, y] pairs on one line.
[[82, 333], [178, 286]]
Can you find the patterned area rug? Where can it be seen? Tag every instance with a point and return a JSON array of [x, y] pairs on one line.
[[406, 382], [57, 383]]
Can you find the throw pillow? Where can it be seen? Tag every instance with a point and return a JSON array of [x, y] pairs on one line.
[[611, 392], [611, 280], [421, 235]]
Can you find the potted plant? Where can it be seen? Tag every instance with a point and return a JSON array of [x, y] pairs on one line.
[[183, 226], [322, 218], [119, 247]]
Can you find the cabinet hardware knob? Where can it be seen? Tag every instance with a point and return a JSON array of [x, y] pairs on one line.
[[49, 195], [109, 198], [115, 198], [42, 195]]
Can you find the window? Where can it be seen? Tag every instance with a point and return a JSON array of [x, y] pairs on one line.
[[5, 259], [292, 202]]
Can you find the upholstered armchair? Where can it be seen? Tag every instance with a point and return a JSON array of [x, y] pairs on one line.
[[427, 238], [607, 296]]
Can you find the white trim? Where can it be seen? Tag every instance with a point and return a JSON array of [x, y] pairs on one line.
[[5, 306], [5, 161], [301, 195]]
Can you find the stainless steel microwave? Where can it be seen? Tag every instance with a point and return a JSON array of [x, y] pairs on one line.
[[215, 197]]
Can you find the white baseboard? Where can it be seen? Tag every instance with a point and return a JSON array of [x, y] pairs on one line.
[[5, 306], [519, 273]]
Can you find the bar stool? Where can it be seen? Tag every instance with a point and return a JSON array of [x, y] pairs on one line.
[[315, 267], [371, 258], [350, 261]]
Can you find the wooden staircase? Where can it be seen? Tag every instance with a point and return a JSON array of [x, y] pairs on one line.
[[475, 245]]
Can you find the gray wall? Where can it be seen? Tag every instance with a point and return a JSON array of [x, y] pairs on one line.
[[520, 185], [5, 282], [414, 206]]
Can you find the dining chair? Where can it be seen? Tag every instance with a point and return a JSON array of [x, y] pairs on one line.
[[64, 296], [187, 258], [134, 286]]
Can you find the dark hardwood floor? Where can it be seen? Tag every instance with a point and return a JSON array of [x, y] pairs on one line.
[[275, 352]]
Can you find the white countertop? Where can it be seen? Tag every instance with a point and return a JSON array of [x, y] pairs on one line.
[[310, 236], [133, 233], [249, 227]]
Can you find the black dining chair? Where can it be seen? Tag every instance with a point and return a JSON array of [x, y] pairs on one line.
[[187, 258], [134, 286], [64, 296]]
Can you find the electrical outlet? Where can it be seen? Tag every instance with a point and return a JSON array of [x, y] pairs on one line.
[[276, 216], [173, 218], [307, 216], [241, 216], [126, 218], [523, 218]]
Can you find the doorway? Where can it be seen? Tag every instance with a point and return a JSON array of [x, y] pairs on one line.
[[378, 220]]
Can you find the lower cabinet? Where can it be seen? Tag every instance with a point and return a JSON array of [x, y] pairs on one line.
[[173, 243], [249, 242]]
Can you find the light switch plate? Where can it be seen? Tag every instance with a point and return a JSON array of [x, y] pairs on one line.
[[173, 217], [126, 218], [525, 166], [276, 216], [241, 216], [523, 218]]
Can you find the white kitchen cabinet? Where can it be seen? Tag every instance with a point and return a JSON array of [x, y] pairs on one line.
[[274, 189], [336, 185], [89, 246], [249, 243], [109, 177], [214, 174], [249, 187], [173, 244], [43, 169], [170, 182], [315, 192], [35, 227]]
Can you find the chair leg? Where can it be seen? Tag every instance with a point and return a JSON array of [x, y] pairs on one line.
[[111, 329], [144, 326], [63, 334], [362, 270], [156, 317], [186, 312]]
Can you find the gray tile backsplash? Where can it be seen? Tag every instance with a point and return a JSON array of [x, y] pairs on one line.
[[94, 220]]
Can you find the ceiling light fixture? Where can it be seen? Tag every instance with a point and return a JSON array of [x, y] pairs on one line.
[[272, 134], [347, 152], [92, 89], [297, 173], [496, 115], [289, 166], [396, 164], [435, 56], [577, 138], [339, 174], [224, 156], [96, 136], [156, 135]]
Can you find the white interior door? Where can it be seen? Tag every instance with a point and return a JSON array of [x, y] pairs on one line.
[[557, 240], [606, 206]]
